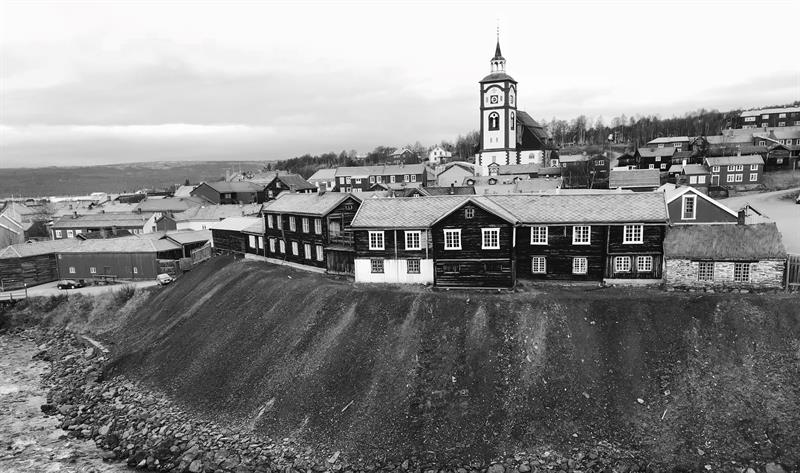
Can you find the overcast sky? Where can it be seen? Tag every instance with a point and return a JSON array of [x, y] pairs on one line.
[[107, 82]]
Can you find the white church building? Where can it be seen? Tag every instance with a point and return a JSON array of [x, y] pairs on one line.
[[508, 136]]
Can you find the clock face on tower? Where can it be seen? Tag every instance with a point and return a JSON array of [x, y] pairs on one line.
[[493, 99]]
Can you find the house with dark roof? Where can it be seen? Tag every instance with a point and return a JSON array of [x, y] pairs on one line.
[[229, 236], [137, 257], [725, 256], [584, 171], [637, 180], [655, 158], [678, 143], [274, 184], [30, 263], [695, 175], [686, 205], [224, 192], [364, 178], [736, 172], [105, 224], [312, 230]]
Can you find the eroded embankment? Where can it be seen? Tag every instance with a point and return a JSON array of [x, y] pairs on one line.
[[685, 380]]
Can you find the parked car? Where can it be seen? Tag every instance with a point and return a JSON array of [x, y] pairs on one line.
[[71, 284], [164, 279]]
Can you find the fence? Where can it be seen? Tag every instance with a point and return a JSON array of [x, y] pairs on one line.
[[793, 272], [201, 254]]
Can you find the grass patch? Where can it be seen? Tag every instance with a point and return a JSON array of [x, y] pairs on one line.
[[780, 180]]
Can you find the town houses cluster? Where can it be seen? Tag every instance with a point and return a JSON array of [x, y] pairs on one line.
[[520, 211]]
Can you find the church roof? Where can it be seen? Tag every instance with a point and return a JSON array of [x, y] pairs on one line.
[[533, 135], [498, 76], [497, 54]]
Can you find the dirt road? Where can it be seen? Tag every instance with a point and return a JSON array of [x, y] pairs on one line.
[[777, 207], [29, 441]]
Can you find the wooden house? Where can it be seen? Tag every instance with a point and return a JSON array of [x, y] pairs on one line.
[[30, 263], [725, 256], [129, 258], [201, 218], [604, 236], [695, 175], [324, 179], [686, 205], [189, 240], [736, 172], [224, 192], [312, 230], [454, 173], [585, 171], [255, 238], [107, 224], [655, 158], [363, 178], [276, 182], [637, 180], [473, 245], [228, 236], [393, 238], [677, 143]]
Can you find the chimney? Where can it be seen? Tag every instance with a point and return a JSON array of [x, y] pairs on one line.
[[741, 218], [452, 188], [321, 190], [74, 214]]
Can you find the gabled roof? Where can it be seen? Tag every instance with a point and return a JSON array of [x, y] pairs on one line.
[[780, 134], [447, 190], [314, 204], [724, 242], [689, 169], [256, 228], [295, 182], [323, 175], [534, 135], [469, 167], [527, 186], [183, 191], [103, 220], [656, 152], [404, 212], [669, 139], [729, 160], [170, 204], [634, 178], [36, 248], [486, 204], [743, 148], [235, 224], [237, 186], [573, 158], [676, 192], [519, 169], [187, 237], [682, 155], [131, 244], [213, 213], [764, 111], [641, 207]]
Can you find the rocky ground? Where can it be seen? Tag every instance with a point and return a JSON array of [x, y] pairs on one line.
[[110, 423]]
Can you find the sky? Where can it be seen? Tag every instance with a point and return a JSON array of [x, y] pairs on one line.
[[111, 82]]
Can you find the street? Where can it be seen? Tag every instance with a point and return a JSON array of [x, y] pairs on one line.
[[783, 211]]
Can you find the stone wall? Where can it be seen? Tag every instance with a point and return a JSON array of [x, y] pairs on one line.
[[765, 274]]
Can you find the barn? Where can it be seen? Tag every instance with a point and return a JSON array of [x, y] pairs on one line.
[[130, 258], [30, 263], [228, 236]]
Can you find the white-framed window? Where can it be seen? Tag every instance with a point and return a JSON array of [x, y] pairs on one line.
[[412, 266], [376, 240], [279, 221], [318, 226], [376, 265], [307, 250], [413, 178], [135, 270], [692, 179], [413, 240], [749, 119], [741, 272], [538, 265], [93, 270], [658, 159], [58, 233], [689, 207], [406, 178], [651, 166], [644, 264], [306, 226], [452, 239], [72, 270], [739, 178], [347, 180], [391, 179], [539, 235], [663, 166], [580, 265], [295, 248], [320, 255], [358, 181], [781, 115], [754, 167], [715, 169], [762, 143], [282, 246], [251, 239], [292, 224], [469, 212], [731, 168], [740, 167], [270, 194], [272, 245], [730, 178], [490, 238], [765, 117], [781, 123], [341, 180], [581, 235], [705, 271], [753, 177], [372, 179], [633, 233], [701, 179], [70, 234], [622, 264], [78, 232], [270, 221]]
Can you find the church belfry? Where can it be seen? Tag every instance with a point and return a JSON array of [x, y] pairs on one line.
[[498, 115]]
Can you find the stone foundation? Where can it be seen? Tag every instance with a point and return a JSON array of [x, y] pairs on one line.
[[765, 274]]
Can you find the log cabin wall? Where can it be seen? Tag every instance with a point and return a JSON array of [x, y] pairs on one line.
[[30, 270], [560, 252], [229, 241]]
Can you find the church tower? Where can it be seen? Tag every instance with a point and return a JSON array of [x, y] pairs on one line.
[[498, 116]]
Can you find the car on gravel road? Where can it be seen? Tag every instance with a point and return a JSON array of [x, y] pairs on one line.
[[71, 284], [164, 279]]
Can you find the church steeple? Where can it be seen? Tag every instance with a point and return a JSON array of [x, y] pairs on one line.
[[498, 61]]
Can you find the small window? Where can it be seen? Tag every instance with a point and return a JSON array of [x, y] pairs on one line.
[[715, 169], [319, 253], [705, 271], [307, 250], [70, 234], [318, 226], [295, 248], [292, 224], [391, 179], [490, 239], [741, 272], [739, 177], [739, 167], [692, 179], [701, 179], [270, 221], [538, 265], [622, 264], [376, 265], [452, 239], [581, 235], [644, 264], [135, 270], [406, 178], [283, 246], [651, 166], [753, 177], [412, 266], [633, 233], [372, 179], [539, 235], [279, 219], [72, 270], [579, 265], [469, 212], [306, 227], [731, 168], [260, 243], [93, 270], [376, 241], [730, 178], [451, 268], [251, 239], [58, 233], [413, 240], [689, 207], [413, 178], [272, 245], [754, 167]]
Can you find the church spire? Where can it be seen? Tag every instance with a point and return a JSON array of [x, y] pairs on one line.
[[498, 61], [497, 53]]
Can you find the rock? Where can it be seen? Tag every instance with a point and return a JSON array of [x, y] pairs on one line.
[[775, 468], [196, 466], [496, 468], [524, 468]]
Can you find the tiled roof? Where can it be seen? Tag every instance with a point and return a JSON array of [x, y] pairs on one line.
[[132, 244], [102, 220], [656, 152], [210, 213], [780, 133], [447, 190], [728, 160], [306, 204], [36, 248], [725, 242], [236, 224], [688, 169], [641, 207], [323, 175], [634, 178], [729, 149], [404, 212]]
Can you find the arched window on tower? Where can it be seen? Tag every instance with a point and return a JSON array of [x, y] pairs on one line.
[[513, 120], [494, 121]]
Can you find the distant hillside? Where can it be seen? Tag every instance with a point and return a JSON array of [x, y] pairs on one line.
[[82, 180], [684, 379]]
